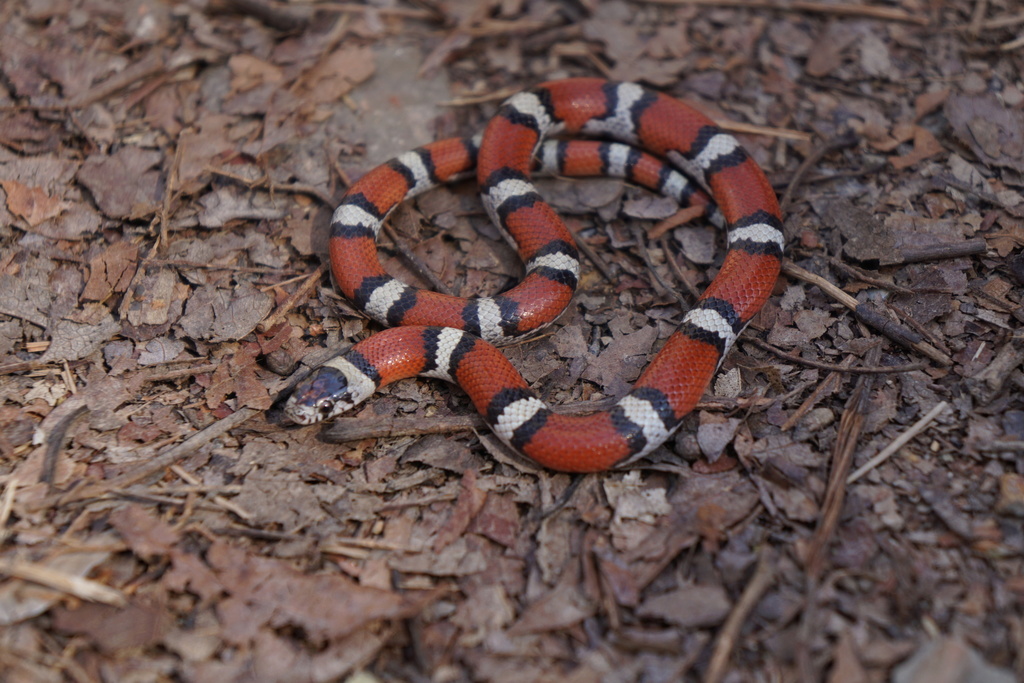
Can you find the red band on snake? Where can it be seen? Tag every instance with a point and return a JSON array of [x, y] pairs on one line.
[[443, 337]]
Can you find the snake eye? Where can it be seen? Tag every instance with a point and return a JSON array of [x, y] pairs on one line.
[[326, 408]]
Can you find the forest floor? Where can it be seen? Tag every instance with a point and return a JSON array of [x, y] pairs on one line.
[[845, 505]]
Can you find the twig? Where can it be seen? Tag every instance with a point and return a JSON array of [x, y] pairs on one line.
[[847, 140], [217, 498], [863, 276], [6, 505], [1002, 22], [725, 643], [895, 331], [54, 442], [909, 320], [596, 259], [767, 131], [78, 586], [22, 366], [898, 443], [871, 12], [386, 11], [171, 191], [831, 367], [264, 182], [150, 467], [941, 251], [1008, 446], [185, 263], [293, 299], [150, 65], [850, 426], [830, 384], [662, 287], [1012, 45], [977, 17], [415, 262], [677, 270], [179, 373], [942, 181], [274, 14]]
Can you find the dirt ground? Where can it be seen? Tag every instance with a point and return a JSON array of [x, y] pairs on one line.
[[845, 505]]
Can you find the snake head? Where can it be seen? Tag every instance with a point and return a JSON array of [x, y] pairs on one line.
[[321, 396]]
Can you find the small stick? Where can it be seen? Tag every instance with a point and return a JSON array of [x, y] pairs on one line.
[[977, 17], [386, 11], [1004, 21], [830, 384], [217, 498], [919, 328], [417, 264], [1012, 45], [847, 140], [941, 251], [898, 333], [831, 367], [293, 299], [180, 372], [871, 12], [678, 271], [78, 586], [54, 442], [851, 425], [660, 285], [22, 366], [598, 262], [767, 131], [152, 466], [1008, 446], [184, 263], [150, 65], [864, 276], [898, 443], [725, 643], [6, 505]]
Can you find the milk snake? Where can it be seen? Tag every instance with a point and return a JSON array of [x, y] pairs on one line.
[[448, 337]]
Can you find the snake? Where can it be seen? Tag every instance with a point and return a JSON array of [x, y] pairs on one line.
[[645, 136]]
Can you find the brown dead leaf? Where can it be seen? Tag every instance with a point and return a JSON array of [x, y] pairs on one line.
[[560, 608], [926, 103], [76, 339], [847, 667], [1010, 237], [826, 54], [336, 75], [142, 623], [249, 71], [994, 132], [621, 362], [696, 606], [249, 390], [499, 520], [925, 146], [268, 592], [32, 204], [146, 535], [715, 433], [470, 501], [124, 184], [948, 660], [220, 315], [111, 271]]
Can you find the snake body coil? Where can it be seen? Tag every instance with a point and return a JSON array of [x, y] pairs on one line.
[[450, 338]]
